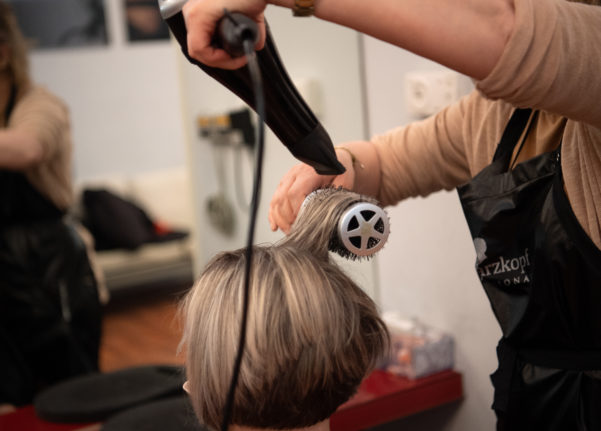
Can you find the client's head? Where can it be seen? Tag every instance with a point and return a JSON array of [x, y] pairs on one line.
[[312, 336]]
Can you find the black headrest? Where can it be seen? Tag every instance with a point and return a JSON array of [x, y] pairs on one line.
[[95, 397], [169, 414]]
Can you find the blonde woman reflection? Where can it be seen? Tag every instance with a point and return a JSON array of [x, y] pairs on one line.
[[49, 309]]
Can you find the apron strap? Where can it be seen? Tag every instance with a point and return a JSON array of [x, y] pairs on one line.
[[514, 129]]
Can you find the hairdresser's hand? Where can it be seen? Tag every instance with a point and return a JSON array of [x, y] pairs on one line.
[[297, 183], [201, 17]]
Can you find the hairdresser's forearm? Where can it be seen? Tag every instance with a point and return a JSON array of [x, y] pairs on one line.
[[19, 150], [466, 35]]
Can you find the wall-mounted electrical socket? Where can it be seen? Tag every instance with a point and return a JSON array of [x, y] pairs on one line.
[[427, 92]]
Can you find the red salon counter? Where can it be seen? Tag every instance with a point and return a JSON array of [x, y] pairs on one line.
[[384, 397]]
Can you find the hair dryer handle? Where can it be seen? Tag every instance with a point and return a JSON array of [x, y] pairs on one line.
[[233, 30]]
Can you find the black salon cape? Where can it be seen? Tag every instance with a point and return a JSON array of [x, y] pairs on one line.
[[49, 307]]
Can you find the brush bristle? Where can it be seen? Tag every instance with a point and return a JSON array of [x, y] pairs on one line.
[[322, 213], [336, 246]]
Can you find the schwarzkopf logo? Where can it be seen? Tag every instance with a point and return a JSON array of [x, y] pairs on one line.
[[511, 270]]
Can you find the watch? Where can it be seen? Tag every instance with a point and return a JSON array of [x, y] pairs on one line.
[[303, 8]]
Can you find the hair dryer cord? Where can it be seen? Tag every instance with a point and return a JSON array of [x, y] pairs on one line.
[[248, 45]]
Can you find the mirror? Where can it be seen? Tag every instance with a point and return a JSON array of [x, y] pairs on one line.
[[135, 106]]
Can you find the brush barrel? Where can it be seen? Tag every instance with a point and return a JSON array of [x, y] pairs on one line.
[[363, 229]]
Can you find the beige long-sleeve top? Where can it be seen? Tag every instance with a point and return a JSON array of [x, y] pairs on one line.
[[552, 62], [42, 113]]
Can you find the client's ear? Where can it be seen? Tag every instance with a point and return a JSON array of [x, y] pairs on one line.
[[186, 387]]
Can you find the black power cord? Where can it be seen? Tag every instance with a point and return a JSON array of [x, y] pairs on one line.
[[255, 74]]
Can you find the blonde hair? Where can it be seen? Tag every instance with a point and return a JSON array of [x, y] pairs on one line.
[[315, 227], [11, 35], [312, 336]]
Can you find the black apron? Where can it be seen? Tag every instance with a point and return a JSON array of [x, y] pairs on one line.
[[542, 275], [49, 307]]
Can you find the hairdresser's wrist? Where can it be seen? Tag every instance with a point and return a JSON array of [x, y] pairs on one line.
[[291, 4], [283, 3], [347, 159], [363, 159], [345, 156]]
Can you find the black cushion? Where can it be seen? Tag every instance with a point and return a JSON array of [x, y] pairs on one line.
[[116, 222], [97, 396]]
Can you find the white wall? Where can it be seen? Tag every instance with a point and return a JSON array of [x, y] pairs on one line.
[[427, 268], [124, 101]]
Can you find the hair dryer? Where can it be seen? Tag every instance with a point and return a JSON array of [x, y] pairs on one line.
[[286, 113]]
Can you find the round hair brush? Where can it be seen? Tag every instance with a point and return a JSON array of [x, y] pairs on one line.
[[354, 225]]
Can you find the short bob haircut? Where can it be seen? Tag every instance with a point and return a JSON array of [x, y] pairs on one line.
[[11, 35], [312, 336]]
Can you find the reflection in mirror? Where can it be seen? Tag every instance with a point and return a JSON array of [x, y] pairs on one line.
[[62, 23], [131, 182]]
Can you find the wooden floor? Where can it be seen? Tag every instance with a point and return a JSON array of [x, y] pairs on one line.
[[140, 331]]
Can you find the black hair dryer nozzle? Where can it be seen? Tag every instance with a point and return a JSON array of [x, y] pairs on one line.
[[286, 112]]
